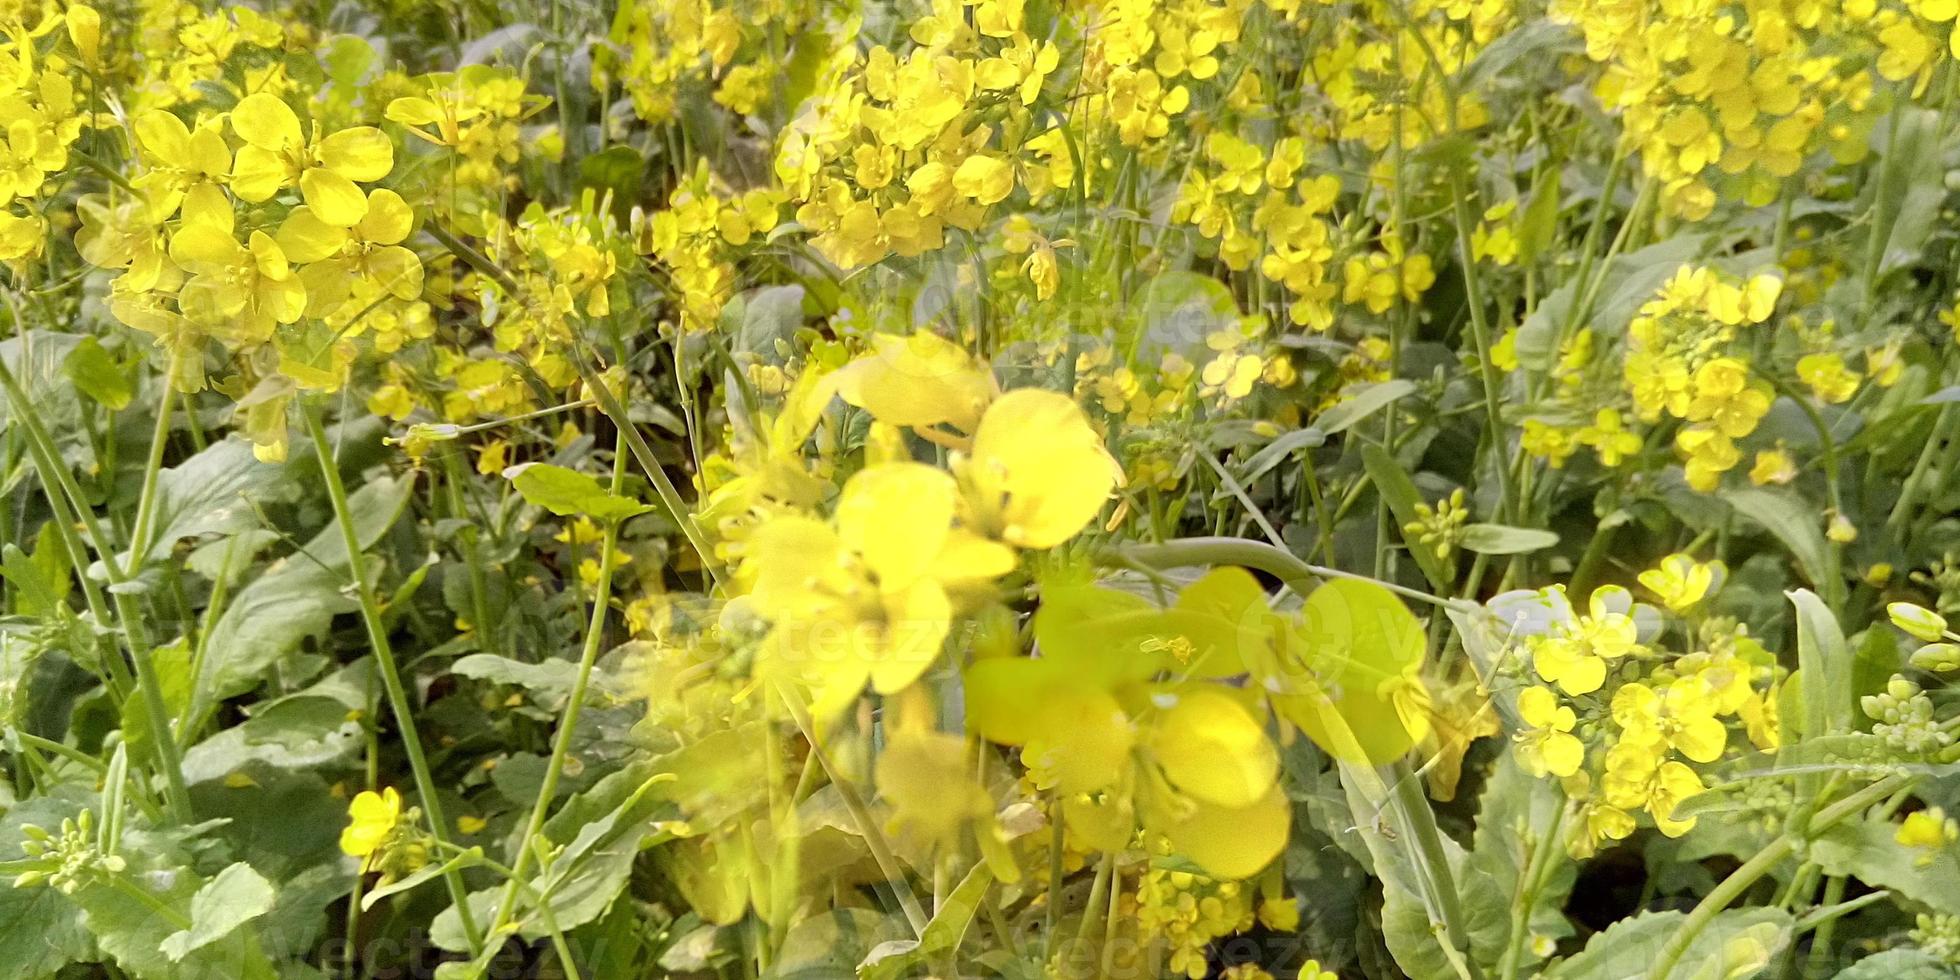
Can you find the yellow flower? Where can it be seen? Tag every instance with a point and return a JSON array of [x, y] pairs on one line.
[[369, 249], [1680, 581], [1680, 715], [177, 159], [1638, 778], [238, 291], [1038, 473], [1574, 655], [371, 820], [1773, 466], [872, 597], [1549, 746], [1928, 830], [921, 381], [277, 155], [1828, 377]]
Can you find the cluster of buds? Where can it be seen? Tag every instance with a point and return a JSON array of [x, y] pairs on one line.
[[1905, 718], [1439, 528], [72, 858]]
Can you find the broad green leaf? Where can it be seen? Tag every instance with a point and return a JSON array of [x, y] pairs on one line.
[[1500, 539], [1360, 403], [1791, 521], [830, 945], [40, 930], [467, 859], [549, 680], [893, 958], [1539, 223], [1279, 450], [97, 375], [761, 320], [1908, 963], [569, 493], [218, 491], [295, 599], [1736, 944], [172, 664], [1515, 813], [1399, 492], [1867, 850], [129, 927], [236, 896], [1826, 665]]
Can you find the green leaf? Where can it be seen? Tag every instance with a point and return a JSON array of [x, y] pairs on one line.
[[236, 896], [1826, 665], [1899, 964], [829, 945], [1514, 814], [132, 923], [1539, 225], [1735, 944], [617, 169], [1399, 492], [40, 931], [97, 375], [1360, 403], [892, 959], [1869, 851], [172, 664], [468, 859], [295, 599], [549, 680], [762, 319], [214, 493], [569, 493], [1500, 539], [1279, 450], [1792, 521]]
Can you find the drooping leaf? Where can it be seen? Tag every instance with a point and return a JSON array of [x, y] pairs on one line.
[[569, 493], [1499, 539], [236, 896]]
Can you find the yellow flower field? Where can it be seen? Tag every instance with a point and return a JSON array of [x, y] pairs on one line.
[[768, 489]]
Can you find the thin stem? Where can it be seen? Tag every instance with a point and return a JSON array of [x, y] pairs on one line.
[[1420, 821], [47, 462], [1772, 854], [391, 676], [561, 745]]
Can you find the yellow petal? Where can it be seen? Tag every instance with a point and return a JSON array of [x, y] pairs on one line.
[[917, 381], [332, 197], [258, 174], [362, 153], [1228, 842], [264, 121], [1039, 472], [896, 515], [308, 239], [1213, 749], [389, 219]]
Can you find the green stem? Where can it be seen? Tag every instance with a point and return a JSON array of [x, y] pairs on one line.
[[865, 824], [391, 676], [643, 454], [1420, 821], [561, 745], [1298, 575], [1756, 867], [47, 462]]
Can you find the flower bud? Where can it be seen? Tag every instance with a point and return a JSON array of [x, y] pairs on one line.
[[1919, 621], [1937, 657]]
